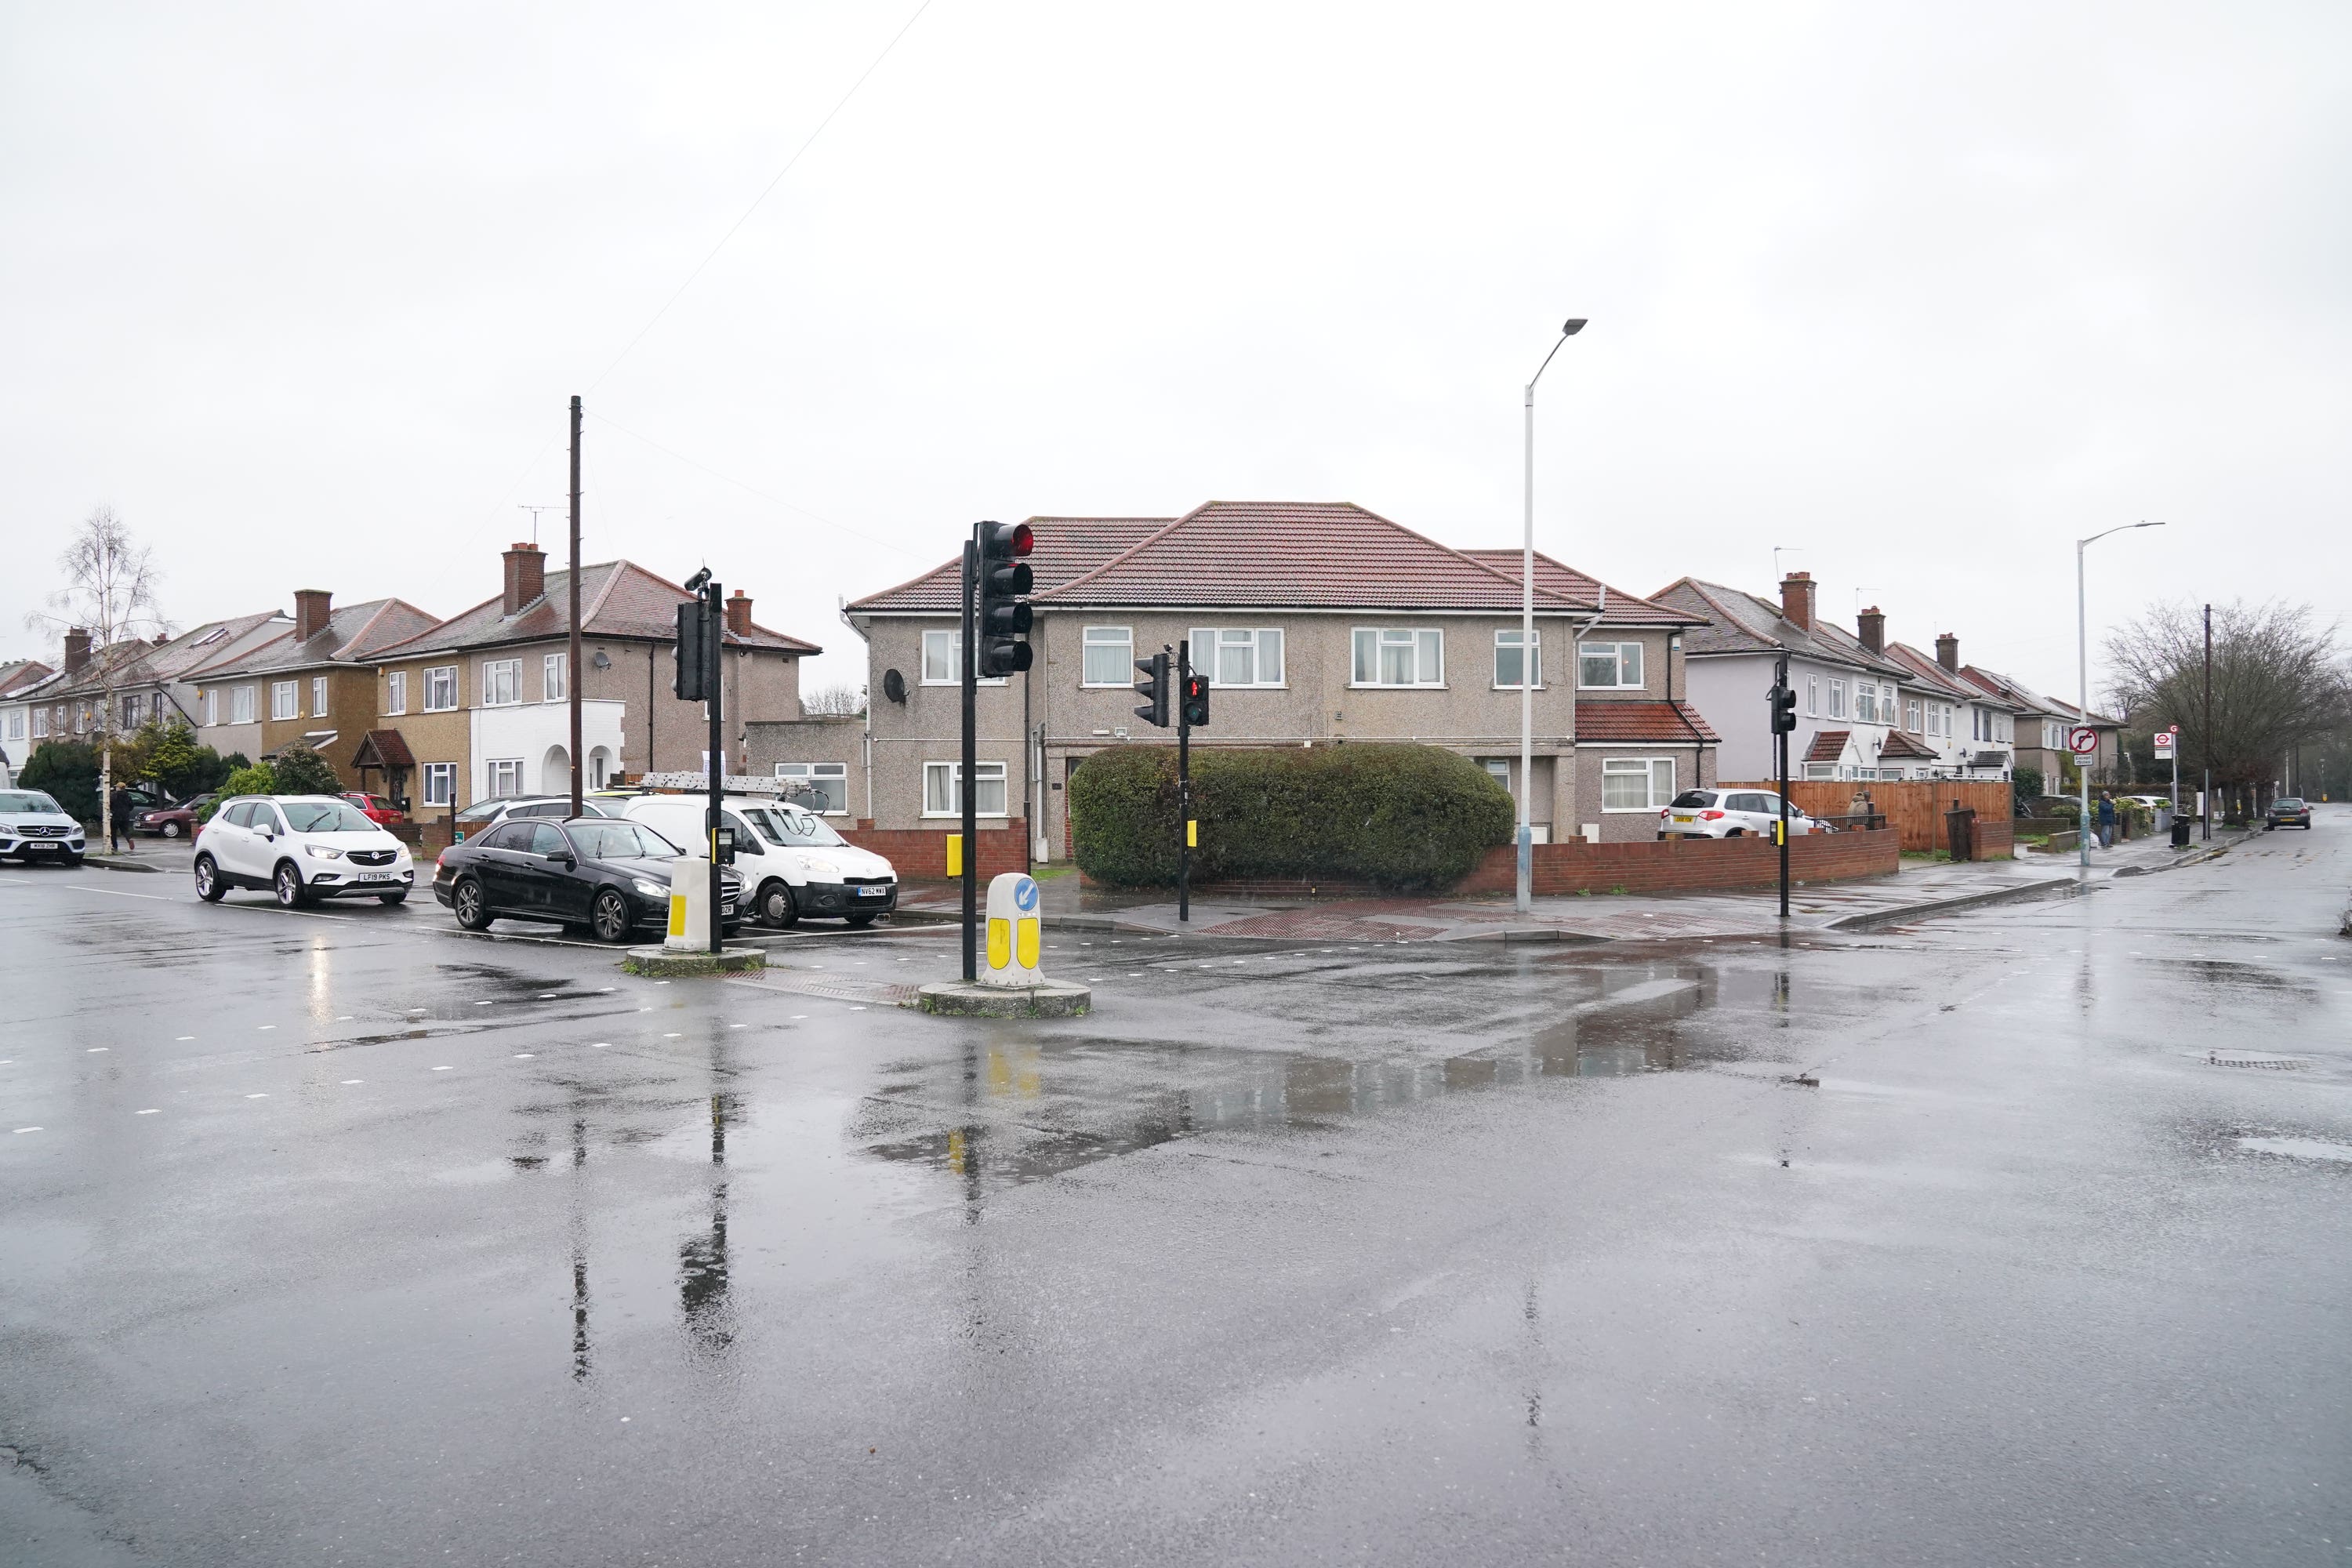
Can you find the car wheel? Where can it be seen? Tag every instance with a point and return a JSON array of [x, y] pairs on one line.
[[1735, 833], [209, 886], [466, 901], [288, 885], [170, 830], [857, 922], [777, 906], [610, 918], [391, 899]]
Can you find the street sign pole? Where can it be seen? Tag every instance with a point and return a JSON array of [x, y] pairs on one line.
[[966, 794]]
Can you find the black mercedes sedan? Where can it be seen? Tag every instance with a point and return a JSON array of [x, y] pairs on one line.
[[609, 876]]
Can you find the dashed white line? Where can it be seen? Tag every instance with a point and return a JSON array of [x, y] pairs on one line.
[[526, 1056], [95, 1049], [28, 1129], [150, 1111], [441, 1069], [669, 1036], [176, 1038], [349, 1081], [601, 1046], [262, 1096]]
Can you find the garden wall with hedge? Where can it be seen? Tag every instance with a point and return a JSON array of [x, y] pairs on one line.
[[1404, 817]]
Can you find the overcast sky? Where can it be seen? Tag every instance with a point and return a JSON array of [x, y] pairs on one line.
[[1925, 292]]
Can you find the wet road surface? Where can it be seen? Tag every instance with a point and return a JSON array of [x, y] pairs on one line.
[[2018, 1237]]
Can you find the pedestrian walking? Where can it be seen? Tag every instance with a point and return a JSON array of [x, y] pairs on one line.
[[2107, 820], [118, 811]]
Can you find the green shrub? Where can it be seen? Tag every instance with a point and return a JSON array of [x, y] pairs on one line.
[[2025, 788], [259, 779], [1400, 816], [67, 771], [301, 770]]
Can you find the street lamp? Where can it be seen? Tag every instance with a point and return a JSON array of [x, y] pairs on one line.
[[1527, 877], [2082, 674]]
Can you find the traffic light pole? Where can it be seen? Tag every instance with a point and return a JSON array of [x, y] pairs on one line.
[[1781, 737], [1184, 783], [715, 703], [967, 794]]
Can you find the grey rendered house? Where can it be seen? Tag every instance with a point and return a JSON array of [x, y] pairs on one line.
[[1317, 623], [134, 681], [2042, 725]]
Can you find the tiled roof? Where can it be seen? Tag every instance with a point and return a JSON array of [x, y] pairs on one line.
[[1271, 554], [617, 599], [353, 632], [1828, 745], [1067, 547], [1744, 623], [1900, 743], [1927, 672], [18, 674], [1651, 722], [2025, 698], [384, 749]]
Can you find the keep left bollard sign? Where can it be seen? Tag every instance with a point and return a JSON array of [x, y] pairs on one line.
[[1012, 931]]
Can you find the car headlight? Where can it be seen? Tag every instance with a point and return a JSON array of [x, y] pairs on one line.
[[323, 851], [651, 890]]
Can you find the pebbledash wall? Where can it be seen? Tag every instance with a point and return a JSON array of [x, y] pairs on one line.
[[1690, 865]]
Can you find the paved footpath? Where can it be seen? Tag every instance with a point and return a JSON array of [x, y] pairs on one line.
[[1919, 891]]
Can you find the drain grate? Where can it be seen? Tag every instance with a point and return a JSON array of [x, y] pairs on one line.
[[2254, 1059]]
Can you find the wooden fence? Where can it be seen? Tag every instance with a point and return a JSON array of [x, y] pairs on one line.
[[1912, 807]]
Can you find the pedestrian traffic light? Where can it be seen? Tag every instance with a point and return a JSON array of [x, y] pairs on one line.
[[1004, 583], [692, 679], [1784, 710], [1153, 689], [1196, 699]]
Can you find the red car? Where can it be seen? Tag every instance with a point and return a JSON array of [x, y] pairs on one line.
[[379, 811]]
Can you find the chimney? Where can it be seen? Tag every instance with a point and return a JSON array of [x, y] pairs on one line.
[[739, 615], [1797, 599], [77, 650], [526, 575], [1948, 652], [310, 612], [1872, 628]]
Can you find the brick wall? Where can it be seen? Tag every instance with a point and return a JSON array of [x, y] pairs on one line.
[[1688, 865], [923, 851], [1996, 838]]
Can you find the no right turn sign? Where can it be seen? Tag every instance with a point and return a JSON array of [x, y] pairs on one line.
[[2082, 740]]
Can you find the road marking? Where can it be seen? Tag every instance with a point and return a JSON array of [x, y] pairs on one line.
[[270, 1025], [797, 1016], [343, 1018], [178, 1037], [95, 1049], [349, 1081], [481, 1004], [28, 1129], [150, 1111], [669, 1036], [547, 995], [440, 1070], [262, 1096], [601, 1046], [734, 1025], [525, 1056]]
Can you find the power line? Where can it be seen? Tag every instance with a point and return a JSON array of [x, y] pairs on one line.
[[756, 201]]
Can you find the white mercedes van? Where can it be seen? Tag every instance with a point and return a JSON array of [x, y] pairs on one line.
[[793, 865]]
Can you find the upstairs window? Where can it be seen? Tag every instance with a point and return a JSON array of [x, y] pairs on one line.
[[1865, 703], [240, 705], [318, 697], [1238, 656], [395, 692], [1109, 658], [441, 689], [283, 701], [1507, 659], [942, 660], [554, 670], [1837, 698], [1392, 655], [211, 701], [501, 684], [1606, 666]]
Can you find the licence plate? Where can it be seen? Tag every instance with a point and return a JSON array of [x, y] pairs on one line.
[[375, 877], [873, 892], [37, 844], [1686, 819]]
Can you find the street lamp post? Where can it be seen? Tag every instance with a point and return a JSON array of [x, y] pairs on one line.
[[2082, 673], [1526, 858]]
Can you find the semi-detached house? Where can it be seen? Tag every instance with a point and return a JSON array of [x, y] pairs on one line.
[[312, 685], [1317, 623]]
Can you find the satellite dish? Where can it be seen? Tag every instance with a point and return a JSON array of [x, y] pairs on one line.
[[894, 686]]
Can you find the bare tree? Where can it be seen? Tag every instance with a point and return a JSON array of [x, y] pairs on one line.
[[833, 702], [109, 591], [2279, 682]]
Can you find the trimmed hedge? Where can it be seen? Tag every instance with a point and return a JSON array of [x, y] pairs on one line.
[[1403, 816]]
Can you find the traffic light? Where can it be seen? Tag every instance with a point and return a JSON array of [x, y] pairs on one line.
[[1784, 710], [1196, 699], [692, 679], [1004, 583], [1153, 689]]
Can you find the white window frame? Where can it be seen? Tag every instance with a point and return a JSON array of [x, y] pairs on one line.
[[984, 774], [1266, 646], [395, 692], [1416, 639], [503, 771], [949, 638], [1812, 697], [1093, 638], [431, 680], [820, 772], [440, 783], [285, 699], [1865, 702], [1837, 698], [1617, 652], [15, 723], [211, 704], [511, 670], [552, 670], [1509, 637], [40, 723], [240, 704], [1648, 770], [1911, 719], [318, 697]]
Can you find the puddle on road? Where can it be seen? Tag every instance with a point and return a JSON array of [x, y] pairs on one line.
[[2299, 1149]]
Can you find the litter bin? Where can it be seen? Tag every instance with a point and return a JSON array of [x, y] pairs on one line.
[[1960, 831], [2180, 832]]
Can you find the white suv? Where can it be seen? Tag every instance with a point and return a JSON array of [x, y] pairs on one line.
[[1729, 814], [32, 827], [300, 847]]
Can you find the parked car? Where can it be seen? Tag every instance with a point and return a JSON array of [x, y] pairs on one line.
[[608, 875], [34, 828], [301, 847], [2287, 810], [794, 862], [379, 809], [177, 821], [1730, 813], [484, 815]]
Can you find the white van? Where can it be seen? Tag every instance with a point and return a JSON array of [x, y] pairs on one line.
[[793, 863]]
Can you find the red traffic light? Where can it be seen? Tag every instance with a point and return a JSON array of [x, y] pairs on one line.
[[1000, 539]]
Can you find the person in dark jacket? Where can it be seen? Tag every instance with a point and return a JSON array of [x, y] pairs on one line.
[[118, 811], [2107, 820]]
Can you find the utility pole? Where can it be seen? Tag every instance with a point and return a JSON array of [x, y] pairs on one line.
[[1784, 704], [714, 637], [966, 794], [2205, 797], [1184, 781], [572, 659]]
